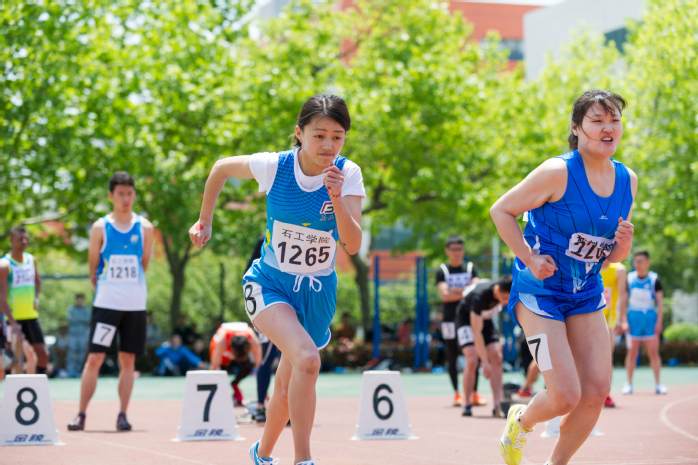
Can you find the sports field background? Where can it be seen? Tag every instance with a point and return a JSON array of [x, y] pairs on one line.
[[347, 385]]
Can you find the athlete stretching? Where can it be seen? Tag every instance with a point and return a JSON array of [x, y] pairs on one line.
[[120, 246], [578, 208], [313, 201]]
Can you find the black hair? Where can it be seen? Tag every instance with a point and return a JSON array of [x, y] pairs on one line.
[[240, 346], [121, 178], [454, 240], [608, 101], [642, 252], [323, 105], [77, 296], [505, 283], [18, 230]]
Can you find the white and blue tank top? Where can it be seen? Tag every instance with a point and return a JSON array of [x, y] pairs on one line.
[[120, 276], [642, 292], [577, 231], [301, 236]]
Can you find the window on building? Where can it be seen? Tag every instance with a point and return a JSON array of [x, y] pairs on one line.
[[515, 48]]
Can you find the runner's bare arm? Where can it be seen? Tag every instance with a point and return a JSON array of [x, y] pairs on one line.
[[348, 213], [149, 234], [96, 239], [37, 285], [217, 355], [625, 231], [622, 279], [476, 324], [231, 167], [547, 183], [4, 291], [659, 326], [449, 295]]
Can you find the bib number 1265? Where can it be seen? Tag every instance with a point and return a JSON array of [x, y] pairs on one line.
[[311, 256]]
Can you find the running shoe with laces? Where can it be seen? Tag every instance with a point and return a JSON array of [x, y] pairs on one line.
[[261, 415], [308, 462], [458, 400], [609, 402], [122, 423], [524, 392], [468, 411], [627, 389], [479, 400], [257, 460], [78, 424], [660, 389], [514, 438]]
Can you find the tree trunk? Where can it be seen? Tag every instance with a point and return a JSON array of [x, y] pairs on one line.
[[361, 280], [178, 263]]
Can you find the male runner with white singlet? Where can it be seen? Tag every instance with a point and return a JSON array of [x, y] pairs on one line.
[[20, 285], [452, 279], [579, 207], [120, 247], [313, 201], [643, 319]]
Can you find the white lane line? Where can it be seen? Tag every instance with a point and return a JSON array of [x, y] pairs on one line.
[[143, 450], [668, 424]]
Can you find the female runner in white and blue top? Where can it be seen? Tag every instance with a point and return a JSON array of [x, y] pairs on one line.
[[313, 201], [578, 208]]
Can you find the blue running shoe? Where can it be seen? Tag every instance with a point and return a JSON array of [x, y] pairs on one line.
[[257, 460]]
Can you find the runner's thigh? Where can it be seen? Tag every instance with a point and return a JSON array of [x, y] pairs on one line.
[[562, 377], [280, 324], [591, 348]]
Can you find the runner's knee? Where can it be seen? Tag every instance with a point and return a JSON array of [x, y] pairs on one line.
[[308, 362], [596, 391], [127, 361], [94, 361], [565, 399]]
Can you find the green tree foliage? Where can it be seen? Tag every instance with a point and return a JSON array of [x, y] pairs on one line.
[[662, 75]]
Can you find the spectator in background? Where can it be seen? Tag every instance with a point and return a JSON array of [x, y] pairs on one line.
[[176, 359], [183, 331], [153, 333], [79, 317], [346, 330], [195, 335]]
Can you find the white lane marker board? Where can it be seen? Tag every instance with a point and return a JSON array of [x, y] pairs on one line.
[[552, 429], [207, 410], [26, 415], [382, 409]]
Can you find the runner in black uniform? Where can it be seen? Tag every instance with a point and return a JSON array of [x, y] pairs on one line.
[[452, 279], [477, 336]]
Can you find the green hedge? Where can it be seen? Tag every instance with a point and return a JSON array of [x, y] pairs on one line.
[[682, 332]]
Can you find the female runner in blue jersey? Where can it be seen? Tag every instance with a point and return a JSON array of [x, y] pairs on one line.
[[313, 201], [578, 208]]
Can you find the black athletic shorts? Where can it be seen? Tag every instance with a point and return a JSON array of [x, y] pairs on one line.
[[129, 326], [32, 331], [466, 337]]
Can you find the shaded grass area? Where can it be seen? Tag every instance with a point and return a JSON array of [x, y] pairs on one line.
[[347, 385]]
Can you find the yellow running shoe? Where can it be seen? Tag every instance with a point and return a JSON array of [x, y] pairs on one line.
[[514, 437]]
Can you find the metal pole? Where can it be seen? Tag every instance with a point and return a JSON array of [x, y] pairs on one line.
[[376, 309], [424, 306], [418, 332]]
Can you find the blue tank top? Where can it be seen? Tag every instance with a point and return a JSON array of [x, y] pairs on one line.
[[577, 231], [642, 292], [120, 276], [301, 235]]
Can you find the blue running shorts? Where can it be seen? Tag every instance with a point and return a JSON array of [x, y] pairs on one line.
[[554, 307], [642, 324], [314, 298]]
